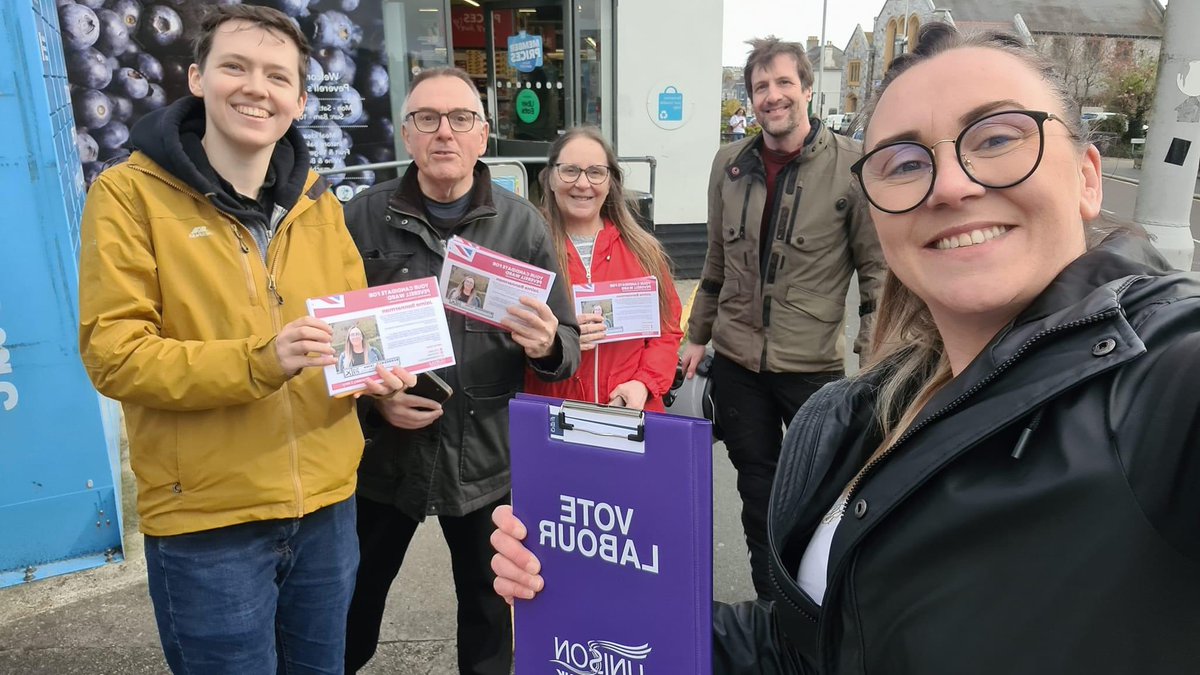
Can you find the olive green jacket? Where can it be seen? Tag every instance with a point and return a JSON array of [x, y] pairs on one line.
[[783, 311]]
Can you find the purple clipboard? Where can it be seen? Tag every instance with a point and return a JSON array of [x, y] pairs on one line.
[[618, 505]]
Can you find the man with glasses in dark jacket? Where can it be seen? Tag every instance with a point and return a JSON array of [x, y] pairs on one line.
[[449, 459]]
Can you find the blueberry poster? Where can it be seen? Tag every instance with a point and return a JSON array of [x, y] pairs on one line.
[[127, 57]]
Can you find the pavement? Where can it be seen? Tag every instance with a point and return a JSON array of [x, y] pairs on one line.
[[1122, 168]]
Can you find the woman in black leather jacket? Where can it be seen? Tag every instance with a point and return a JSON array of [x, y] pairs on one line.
[[1013, 486]]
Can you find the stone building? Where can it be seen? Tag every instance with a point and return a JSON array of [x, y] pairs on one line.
[[828, 65], [1083, 38], [857, 74]]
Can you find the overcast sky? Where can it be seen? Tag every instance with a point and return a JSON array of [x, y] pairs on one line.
[[791, 20]]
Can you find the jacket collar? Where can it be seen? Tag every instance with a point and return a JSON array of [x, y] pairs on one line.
[[750, 159], [409, 200], [171, 136]]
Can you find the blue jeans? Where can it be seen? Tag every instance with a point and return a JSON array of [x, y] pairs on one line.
[[263, 597]]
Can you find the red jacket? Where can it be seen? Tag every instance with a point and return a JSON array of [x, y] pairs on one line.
[[651, 362]]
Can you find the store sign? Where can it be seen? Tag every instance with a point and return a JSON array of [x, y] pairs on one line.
[[670, 105], [525, 52], [469, 30], [667, 106], [528, 106], [118, 74], [8, 390]]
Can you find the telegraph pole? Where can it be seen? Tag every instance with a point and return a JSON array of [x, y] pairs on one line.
[[1172, 156], [821, 68]]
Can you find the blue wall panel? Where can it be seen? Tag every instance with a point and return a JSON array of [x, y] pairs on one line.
[[59, 443]]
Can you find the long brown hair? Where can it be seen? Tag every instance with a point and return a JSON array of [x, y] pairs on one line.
[[906, 345], [648, 251]]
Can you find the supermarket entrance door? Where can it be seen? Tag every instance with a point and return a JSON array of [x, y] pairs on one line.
[[529, 75]]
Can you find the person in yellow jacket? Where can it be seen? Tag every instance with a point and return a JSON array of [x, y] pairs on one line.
[[197, 256]]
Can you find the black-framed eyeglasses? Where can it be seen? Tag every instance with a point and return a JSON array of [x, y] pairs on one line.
[[428, 121], [569, 173], [997, 151]]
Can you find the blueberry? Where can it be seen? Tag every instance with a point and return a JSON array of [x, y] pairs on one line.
[[114, 64], [114, 157], [79, 25], [89, 68], [349, 5], [293, 8], [89, 150], [93, 4], [92, 108], [114, 34], [334, 163], [332, 29], [315, 72], [160, 26], [338, 66], [131, 83], [366, 177], [145, 64], [312, 109], [112, 136], [130, 12], [374, 80], [154, 100], [316, 144], [122, 108], [347, 106], [91, 171], [380, 152]]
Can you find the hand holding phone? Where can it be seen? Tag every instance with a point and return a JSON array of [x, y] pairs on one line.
[[432, 387]]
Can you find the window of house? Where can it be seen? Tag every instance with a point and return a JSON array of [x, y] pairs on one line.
[[855, 73]]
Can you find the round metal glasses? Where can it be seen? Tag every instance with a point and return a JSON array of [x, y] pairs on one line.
[[997, 151]]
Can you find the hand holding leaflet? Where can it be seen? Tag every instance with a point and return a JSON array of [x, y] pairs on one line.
[[484, 284], [399, 324]]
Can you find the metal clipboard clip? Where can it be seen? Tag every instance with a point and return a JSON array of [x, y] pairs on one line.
[[599, 426]]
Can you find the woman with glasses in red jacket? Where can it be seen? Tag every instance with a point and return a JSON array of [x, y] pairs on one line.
[[597, 240]]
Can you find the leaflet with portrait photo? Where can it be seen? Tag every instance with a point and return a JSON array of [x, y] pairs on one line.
[[401, 324], [629, 307], [483, 284]]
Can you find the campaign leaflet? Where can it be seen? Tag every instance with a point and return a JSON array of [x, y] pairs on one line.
[[629, 307], [399, 324], [483, 284]]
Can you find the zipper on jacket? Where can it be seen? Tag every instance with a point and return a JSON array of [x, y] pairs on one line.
[[810, 423], [270, 268], [858, 479]]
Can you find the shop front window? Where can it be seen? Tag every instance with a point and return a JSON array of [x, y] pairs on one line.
[[593, 44]]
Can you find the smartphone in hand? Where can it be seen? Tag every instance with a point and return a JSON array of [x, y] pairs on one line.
[[432, 387]]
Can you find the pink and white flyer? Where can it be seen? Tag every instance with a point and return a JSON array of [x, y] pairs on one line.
[[401, 324], [629, 307], [483, 284]]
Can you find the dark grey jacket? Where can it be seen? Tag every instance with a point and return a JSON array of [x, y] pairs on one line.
[[1082, 555], [460, 462]]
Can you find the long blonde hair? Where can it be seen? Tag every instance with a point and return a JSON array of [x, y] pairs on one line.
[[648, 251], [906, 347]]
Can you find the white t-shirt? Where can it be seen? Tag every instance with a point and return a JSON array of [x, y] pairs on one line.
[[737, 124], [814, 566]]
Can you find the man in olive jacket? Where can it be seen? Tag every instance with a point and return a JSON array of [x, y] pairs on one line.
[[451, 459], [786, 228]]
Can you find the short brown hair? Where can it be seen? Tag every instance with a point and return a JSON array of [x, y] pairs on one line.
[[764, 50], [271, 20]]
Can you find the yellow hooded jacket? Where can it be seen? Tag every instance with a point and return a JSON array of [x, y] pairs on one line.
[[178, 317]]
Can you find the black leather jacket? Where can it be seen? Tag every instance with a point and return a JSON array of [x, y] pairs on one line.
[[460, 462], [1082, 555]]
